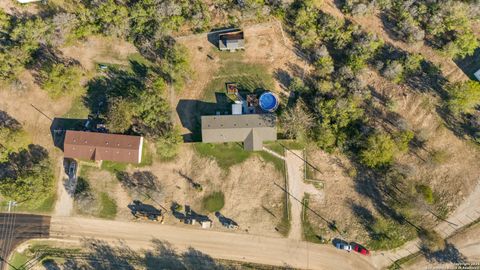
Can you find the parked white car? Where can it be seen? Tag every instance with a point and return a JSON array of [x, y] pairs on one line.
[[344, 246]]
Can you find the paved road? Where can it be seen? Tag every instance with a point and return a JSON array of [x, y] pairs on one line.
[[15, 228], [223, 245]]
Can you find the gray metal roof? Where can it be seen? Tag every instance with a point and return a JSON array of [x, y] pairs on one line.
[[251, 129]]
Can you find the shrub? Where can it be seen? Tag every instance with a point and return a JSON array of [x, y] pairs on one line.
[[463, 97], [214, 202], [426, 193], [431, 240], [379, 151], [169, 144]]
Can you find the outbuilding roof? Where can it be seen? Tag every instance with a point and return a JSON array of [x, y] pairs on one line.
[[251, 129], [103, 146]]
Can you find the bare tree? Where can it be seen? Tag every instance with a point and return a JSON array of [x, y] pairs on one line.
[[296, 121]]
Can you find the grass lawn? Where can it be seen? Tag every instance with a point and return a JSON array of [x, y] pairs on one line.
[[214, 202], [43, 205], [225, 154], [283, 226], [78, 109], [18, 261], [277, 162], [113, 167], [108, 206], [309, 234], [147, 155], [249, 77]]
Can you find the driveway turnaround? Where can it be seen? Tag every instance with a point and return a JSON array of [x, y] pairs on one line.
[[223, 245]]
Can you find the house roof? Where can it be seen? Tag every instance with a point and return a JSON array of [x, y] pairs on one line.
[[251, 129], [103, 146], [231, 41]]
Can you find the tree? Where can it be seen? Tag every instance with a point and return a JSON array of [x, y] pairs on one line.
[[119, 115], [296, 122], [335, 120], [169, 144], [112, 18], [60, 79], [379, 151], [26, 175], [463, 97]]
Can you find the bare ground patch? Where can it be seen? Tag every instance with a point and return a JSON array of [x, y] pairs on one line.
[[248, 188]]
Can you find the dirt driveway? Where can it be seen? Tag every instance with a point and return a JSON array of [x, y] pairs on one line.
[[297, 189]]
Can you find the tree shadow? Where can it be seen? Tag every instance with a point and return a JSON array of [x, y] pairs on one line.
[[140, 181], [283, 77], [469, 64], [450, 254], [190, 111], [6, 121], [60, 125]]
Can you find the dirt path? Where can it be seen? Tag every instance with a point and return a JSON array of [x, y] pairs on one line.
[[223, 245], [466, 213], [297, 189], [65, 191]]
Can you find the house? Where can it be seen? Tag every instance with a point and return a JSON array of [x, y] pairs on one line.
[[251, 129], [231, 41], [102, 146]]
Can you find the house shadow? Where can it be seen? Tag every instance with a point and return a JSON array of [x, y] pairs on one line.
[[214, 35], [469, 64], [190, 111], [61, 125]]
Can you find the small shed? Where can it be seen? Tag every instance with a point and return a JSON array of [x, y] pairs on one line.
[[231, 41], [237, 108]]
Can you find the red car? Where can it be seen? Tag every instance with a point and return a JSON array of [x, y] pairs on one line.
[[361, 250]]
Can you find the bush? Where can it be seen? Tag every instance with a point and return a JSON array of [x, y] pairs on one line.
[[426, 193], [431, 240], [214, 202], [463, 97], [379, 151], [169, 144]]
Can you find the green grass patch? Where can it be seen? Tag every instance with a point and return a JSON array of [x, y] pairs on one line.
[[275, 147], [78, 110], [113, 167], [283, 226], [214, 202], [309, 233], [18, 261], [147, 156], [108, 206], [225, 154], [292, 144], [387, 234], [277, 162]]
